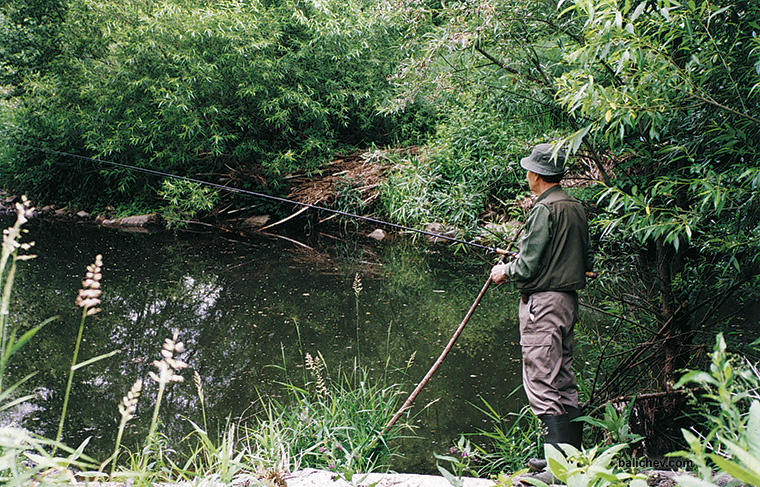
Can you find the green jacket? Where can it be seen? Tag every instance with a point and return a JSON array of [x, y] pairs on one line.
[[554, 251]]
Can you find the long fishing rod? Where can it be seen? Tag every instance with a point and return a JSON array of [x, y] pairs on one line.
[[273, 198]]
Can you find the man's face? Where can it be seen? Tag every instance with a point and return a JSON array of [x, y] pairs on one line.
[[532, 178]]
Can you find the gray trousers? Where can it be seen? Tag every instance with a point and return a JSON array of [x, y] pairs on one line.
[[546, 338]]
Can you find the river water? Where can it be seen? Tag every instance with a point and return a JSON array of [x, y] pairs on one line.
[[245, 303]]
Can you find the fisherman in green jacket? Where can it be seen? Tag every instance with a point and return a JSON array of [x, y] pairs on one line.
[[552, 265]]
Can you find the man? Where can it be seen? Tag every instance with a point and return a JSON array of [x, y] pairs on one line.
[[553, 262]]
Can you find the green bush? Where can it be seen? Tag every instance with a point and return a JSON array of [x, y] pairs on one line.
[[469, 166], [728, 441], [196, 89], [185, 199]]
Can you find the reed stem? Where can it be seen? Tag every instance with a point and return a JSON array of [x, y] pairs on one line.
[[4, 306], [67, 394]]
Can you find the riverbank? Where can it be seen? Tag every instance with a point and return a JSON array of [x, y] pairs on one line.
[[346, 189], [489, 236], [312, 477]]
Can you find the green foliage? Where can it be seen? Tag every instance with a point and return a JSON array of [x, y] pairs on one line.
[[184, 200], [589, 468], [727, 385], [728, 409], [731, 444], [744, 462], [658, 99], [196, 89], [30, 30], [348, 199], [673, 85], [459, 459], [617, 425], [25, 457], [221, 461], [492, 111], [667, 90], [511, 441], [469, 166], [13, 251], [501, 54], [331, 422], [732, 412]]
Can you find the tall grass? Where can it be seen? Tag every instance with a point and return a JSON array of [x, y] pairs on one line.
[[25, 455], [514, 438], [12, 251], [88, 299], [332, 422], [357, 287], [127, 409]]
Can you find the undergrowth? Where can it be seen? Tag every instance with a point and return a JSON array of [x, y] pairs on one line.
[[723, 444]]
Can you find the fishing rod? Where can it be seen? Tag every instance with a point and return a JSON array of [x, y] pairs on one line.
[[447, 349], [437, 363], [272, 198]]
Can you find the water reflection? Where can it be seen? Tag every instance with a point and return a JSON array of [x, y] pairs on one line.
[[244, 304]]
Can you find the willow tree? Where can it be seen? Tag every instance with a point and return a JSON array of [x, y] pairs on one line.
[[29, 38], [231, 89], [672, 90], [490, 68], [659, 99]]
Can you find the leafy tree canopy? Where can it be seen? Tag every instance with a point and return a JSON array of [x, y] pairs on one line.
[[670, 90], [30, 30], [675, 87], [248, 89]]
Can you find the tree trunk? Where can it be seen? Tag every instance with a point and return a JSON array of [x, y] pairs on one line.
[[674, 330]]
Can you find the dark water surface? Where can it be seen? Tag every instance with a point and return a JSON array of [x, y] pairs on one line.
[[245, 303]]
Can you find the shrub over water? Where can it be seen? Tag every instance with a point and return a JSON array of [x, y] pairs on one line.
[[255, 89]]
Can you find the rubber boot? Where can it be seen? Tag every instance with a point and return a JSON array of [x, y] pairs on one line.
[[575, 429], [560, 429], [557, 428]]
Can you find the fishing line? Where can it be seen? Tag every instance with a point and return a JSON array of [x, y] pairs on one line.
[[270, 197]]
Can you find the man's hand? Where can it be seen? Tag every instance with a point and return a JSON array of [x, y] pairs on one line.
[[498, 273], [590, 274]]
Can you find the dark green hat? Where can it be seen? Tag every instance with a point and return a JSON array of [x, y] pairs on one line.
[[542, 161]]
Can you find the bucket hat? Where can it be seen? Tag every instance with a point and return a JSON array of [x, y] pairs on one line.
[[543, 163]]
